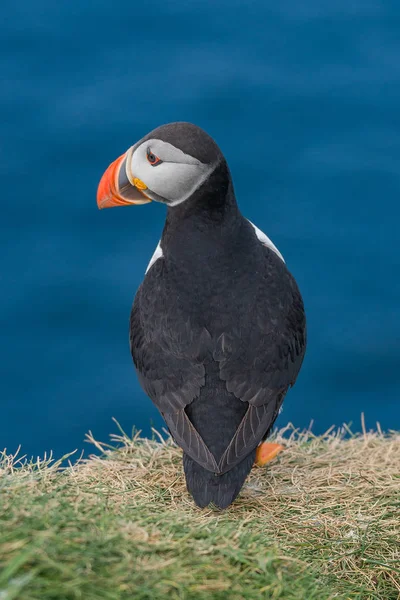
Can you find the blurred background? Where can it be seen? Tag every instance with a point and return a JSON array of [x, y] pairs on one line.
[[302, 97]]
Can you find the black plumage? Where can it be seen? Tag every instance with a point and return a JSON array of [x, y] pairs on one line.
[[217, 330]]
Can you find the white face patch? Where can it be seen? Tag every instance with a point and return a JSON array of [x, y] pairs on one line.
[[175, 178], [264, 239]]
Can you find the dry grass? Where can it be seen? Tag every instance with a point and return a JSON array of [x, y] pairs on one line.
[[321, 521]]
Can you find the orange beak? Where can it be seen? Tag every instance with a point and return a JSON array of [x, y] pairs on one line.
[[118, 187]]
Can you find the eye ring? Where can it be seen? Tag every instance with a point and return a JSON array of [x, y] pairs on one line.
[[152, 158]]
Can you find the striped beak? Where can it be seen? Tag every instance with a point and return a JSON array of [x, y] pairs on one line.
[[118, 186]]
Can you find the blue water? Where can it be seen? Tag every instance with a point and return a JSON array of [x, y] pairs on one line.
[[303, 98]]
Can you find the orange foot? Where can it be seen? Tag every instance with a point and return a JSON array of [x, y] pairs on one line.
[[266, 452]]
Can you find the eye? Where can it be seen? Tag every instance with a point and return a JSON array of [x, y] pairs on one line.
[[152, 158]]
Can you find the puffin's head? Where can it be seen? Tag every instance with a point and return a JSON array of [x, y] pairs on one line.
[[167, 165]]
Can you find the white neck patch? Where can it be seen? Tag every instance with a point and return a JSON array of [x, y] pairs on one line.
[[158, 253], [264, 239]]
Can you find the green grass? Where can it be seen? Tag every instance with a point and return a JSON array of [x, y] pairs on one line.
[[321, 521]]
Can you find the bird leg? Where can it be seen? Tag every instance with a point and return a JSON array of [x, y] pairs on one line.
[[266, 452]]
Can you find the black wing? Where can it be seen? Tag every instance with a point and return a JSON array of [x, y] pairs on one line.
[[260, 360], [168, 350], [259, 355]]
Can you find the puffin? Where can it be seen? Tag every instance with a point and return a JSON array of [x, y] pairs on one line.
[[217, 329]]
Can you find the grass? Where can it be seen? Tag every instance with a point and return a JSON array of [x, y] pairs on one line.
[[321, 521]]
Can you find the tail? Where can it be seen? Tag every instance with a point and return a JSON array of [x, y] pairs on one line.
[[216, 414], [221, 490]]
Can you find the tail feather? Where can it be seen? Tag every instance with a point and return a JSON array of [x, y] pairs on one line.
[[216, 414], [221, 490]]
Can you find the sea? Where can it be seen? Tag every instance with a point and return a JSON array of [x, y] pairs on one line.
[[302, 97]]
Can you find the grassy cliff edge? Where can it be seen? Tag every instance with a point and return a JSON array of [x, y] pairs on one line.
[[321, 521]]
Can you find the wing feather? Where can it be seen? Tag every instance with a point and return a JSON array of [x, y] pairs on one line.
[[256, 422], [189, 440]]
